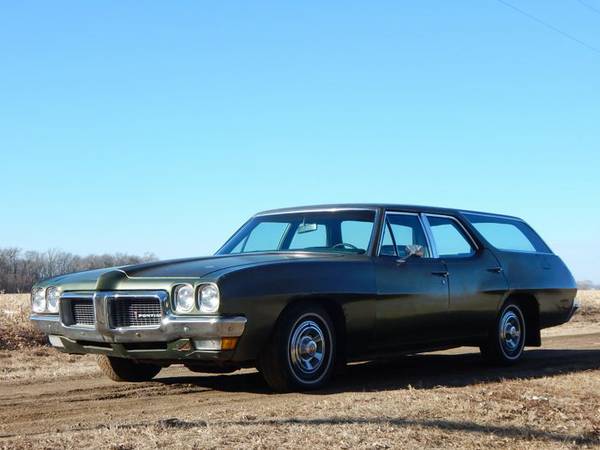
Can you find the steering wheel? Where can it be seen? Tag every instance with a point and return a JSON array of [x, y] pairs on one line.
[[346, 245]]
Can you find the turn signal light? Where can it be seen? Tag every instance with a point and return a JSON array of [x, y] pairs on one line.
[[229, 343]]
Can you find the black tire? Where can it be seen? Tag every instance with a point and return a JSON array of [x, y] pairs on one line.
[[290, 361], [506, 340], [121, 369]]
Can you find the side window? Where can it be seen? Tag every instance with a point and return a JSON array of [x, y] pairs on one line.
[[311, 239], [508, 234], [357, 233], [265, 236], [406, 230], [504, 236], [450, 239]]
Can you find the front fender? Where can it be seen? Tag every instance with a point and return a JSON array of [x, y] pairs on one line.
[[261, 294]]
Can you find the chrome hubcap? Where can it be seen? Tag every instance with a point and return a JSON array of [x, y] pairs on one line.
[[510, 332], [307, 347]]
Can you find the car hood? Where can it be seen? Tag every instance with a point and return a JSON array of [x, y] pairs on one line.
[[178, 268], [201, 267], [154, 275]]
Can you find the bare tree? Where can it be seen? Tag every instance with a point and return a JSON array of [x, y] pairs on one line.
[[19, 270]]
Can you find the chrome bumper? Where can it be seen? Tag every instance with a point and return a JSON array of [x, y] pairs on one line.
[[574, 308], [170, 329]]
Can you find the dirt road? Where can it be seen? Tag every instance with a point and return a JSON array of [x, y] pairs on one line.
[[93, 409]]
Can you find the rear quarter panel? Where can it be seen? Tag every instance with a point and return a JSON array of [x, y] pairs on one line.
[[544, 276]]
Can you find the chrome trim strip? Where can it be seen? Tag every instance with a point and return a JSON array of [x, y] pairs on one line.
[[79, 296], [527, 252], [82, 295], [161, 296], [429, 234], [497, 216], [313, 210], [373, 248]]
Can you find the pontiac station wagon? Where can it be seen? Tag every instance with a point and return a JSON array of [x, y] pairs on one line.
[[299, 292]]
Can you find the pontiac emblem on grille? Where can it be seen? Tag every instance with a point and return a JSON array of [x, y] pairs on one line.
[[147, 315]]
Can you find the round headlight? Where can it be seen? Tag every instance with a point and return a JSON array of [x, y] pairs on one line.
[[184, 298], [209, 299], [38, 300], [52, 296]]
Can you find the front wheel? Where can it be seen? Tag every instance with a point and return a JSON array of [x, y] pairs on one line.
[[300, 354], [121, 369], [506, 341]]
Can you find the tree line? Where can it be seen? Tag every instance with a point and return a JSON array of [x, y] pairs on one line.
[[20, 270]]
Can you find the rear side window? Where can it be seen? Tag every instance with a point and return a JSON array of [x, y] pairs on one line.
[[508, 234], [449, 237]]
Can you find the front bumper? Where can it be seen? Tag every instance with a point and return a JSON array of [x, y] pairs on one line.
[[171, 328], [574, 308], [176, 337]]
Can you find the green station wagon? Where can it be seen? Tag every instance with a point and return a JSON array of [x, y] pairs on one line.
[[299, 292]]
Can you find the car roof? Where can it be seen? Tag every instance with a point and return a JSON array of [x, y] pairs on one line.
[[376, 206]]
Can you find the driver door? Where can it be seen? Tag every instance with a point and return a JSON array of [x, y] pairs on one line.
[[412, 287]]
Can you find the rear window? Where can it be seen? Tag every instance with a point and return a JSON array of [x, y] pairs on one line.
[[508, 234]]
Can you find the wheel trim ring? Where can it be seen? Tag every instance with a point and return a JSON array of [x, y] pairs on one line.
[[511, 333], [327, 344], [307, 347]]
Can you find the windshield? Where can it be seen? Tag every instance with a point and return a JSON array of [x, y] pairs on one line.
[[327, 231]]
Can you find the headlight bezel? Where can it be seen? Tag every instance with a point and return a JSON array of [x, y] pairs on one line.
[[177, 301], [206, 299], [38, 297], [212, 303], [52, 290]]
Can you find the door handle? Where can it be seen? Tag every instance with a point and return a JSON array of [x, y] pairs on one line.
[[441, 273], [495, 269]]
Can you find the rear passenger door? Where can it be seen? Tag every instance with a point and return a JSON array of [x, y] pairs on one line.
[[412, 301], [475, 278]]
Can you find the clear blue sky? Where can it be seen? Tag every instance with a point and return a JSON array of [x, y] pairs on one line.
[[161, 126]]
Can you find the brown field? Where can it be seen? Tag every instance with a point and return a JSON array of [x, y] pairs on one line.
[[444, 399]]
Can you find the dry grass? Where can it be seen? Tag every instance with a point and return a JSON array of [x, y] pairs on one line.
[[16, 331], [43, 364], [539, 408], [39, 362], [535, 413], [590, 307]]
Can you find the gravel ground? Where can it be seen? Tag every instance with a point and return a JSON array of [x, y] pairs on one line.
[[444, 399]]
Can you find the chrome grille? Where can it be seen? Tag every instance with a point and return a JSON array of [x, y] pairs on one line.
[[82, 312], [135, 312]]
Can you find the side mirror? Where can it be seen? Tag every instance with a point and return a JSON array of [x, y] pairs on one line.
[[417, 251], [414, 250]]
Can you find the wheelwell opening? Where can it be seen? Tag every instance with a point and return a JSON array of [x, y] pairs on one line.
[[531, 310]]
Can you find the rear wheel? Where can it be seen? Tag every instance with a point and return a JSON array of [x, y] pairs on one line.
[[301, 352], [506, 340], [121, 369]]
